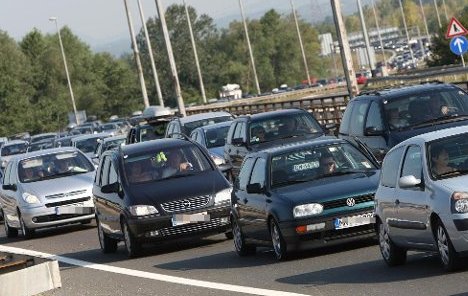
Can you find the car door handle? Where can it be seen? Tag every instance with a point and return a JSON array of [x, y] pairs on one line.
[[397, 202]]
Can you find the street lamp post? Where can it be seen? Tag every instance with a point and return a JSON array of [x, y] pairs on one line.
[[300, 43], [54, 19]]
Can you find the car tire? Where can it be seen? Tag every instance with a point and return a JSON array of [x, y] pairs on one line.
[[132, 246], [9, 231], [280, 247], [242, 249], [391, 253], [27, 232], [449, 257], [108, 245]]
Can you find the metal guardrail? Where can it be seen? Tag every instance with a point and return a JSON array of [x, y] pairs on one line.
[[327, 108]]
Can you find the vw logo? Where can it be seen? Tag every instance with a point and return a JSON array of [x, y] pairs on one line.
[[186, 203], [350, 202]]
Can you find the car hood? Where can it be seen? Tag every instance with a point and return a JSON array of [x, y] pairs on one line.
[[206, 183], [331, 188], [454, 184], [60, 185], [397, 137], [284, 141]]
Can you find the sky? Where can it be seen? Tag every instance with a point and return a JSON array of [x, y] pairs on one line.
[[103, 22]]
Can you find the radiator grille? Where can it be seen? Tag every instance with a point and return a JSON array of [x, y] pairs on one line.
[[187, 204], [66, 194]]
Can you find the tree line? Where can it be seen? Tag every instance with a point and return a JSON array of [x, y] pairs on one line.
[[34, 94]]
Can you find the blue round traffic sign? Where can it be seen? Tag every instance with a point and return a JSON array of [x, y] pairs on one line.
[[459, 45]]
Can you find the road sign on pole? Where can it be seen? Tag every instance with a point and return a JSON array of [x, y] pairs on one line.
[[455, 28], [459, 45]]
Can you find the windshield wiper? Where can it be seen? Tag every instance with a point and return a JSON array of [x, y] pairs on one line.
[[179, 176], [441, 118], [453, 173]]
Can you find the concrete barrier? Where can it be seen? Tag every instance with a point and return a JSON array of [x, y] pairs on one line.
[[22, 275]]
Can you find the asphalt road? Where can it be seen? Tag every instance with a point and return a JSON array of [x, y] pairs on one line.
[[210, 266]]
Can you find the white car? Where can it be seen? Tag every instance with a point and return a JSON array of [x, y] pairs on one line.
[[422, 198]]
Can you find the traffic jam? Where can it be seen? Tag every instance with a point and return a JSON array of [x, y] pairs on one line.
[[391, 174]]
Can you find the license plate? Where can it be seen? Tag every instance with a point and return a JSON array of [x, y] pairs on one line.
[[347, 222], [181, 219], [73, 210]]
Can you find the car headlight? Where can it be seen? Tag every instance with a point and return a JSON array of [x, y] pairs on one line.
[[4, 163], [223, 196], [461, 201], [30, 199], [218, 160], [307, 210], [142, 210]]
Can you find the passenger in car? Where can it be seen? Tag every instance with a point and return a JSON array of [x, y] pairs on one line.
[[175, 164], [289, 127], [138, 173], [440, 161], [258, 134], [327, 163]]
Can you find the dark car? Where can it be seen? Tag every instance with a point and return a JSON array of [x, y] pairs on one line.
[[309, 194], [185, 125], [382, 119], [150, 129], [213, 138], [64, 141], [263, 130], [158, 190]]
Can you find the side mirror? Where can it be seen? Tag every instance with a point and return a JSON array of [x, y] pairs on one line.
[[255, 188], [329, 126], [407, 182], [11, 187], [373, 131], [111, 188], [238, 141]]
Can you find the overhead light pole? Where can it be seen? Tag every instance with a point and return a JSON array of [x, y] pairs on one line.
[[437, 13], [424, 17], [170, 53], [136, 53], [380, 36], [54, 19], [406, 31], [252, 61], [370, 57], [194, 46], [150, 52], [300, 43]]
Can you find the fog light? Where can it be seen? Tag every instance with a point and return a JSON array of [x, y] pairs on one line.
[[152, 233], [318, 226], [224, 220], [34, 219]]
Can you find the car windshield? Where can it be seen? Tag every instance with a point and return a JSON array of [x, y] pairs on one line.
[[63, 142], [38, 138], [311, 163], [448, 157], [422, 108], [154, 131], [281, 127], [14, 149], [216, 137], [109, 126], [40, 145], [88, 145], [165, 164], [52, 166], [190, 126]]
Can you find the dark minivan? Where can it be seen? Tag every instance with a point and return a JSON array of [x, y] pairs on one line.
[[382, 119], [158, 190]]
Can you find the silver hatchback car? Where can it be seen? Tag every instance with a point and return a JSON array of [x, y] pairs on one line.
[[422, 198], [47, 188]]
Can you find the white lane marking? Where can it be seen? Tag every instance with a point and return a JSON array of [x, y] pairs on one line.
[[151, 276]]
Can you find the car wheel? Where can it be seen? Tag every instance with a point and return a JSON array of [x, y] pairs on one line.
[[448, 255], [279, 244], [108, 245], [10, 232], [132, 246], [242, 249], [392, 254], [27, 232]]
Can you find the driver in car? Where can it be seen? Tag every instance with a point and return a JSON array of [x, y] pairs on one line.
[[175, 164]]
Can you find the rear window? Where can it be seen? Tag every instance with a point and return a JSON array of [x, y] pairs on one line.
[[14, 149], [153, 132]]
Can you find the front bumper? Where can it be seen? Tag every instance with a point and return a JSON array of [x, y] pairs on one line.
[[328, 235], [161, 227], [457, 228]]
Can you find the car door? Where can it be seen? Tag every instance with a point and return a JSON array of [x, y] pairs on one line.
[[412, 202], [374, 135], [385, 196], [8, 200], [114, 200], [257, 202], [101, 200], [238, 149], [241, 204]]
